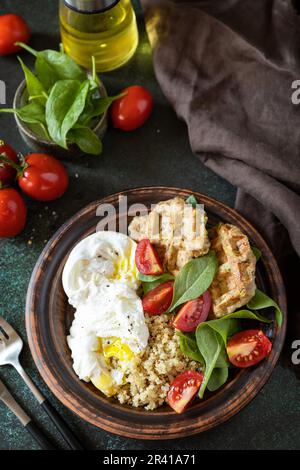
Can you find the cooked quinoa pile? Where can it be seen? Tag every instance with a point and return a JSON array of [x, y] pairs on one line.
[[147, 381]]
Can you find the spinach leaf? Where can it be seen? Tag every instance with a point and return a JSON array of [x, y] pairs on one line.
[[213, 334], [188, 346], [192, 200], [194, 279], [239, 314], [218, 377], [152, 278], [75, 110], [34, 86], [46, 74], [62, 97], [150, 282], [261, 300], [32, 113], [256, 252], [96, 107], [210, 345], [52, 66], [86, 140]]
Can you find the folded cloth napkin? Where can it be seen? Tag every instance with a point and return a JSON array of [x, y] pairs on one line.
[[227, 67]]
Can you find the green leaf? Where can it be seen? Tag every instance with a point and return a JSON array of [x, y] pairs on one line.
[[218, 378], [188, 346], [52, 66], [152, 278], [210, 346], [75, 110], [261, 300], [194, 279], [256, 252], [32, 113], [150, 282], [34, 86], [86, 140], [63, 97], [192, 200], [45, 72], [95, 108], [225, 326], [213, 334], [63, 65]]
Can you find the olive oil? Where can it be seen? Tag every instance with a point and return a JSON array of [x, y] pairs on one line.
[[105, 29]]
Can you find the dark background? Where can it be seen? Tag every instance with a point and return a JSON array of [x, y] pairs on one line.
[[157, 154]]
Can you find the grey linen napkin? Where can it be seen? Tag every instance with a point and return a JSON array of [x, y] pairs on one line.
[[227, 68]]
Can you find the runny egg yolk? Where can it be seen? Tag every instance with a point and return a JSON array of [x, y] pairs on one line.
[[111, 347], [125, 267], [105, 384], [115, 348]]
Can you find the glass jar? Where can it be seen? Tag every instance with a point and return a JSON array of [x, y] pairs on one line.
[[105, 29]]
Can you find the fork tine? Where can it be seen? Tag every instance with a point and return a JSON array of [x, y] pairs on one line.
[[7, 328], [3, 340]]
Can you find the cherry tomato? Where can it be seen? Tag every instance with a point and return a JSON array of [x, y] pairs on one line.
[[183, 389], [12, 29], [159, 299], [12, 212], [248, 348], [146, 259], [133, 109], [7, 173], [192, 313], [44, 178]]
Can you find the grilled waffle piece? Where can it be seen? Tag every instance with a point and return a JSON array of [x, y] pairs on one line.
[[234, 284], [176, 229]]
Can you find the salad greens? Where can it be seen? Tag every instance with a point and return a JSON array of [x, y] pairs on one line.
[[261, 300], [211, 337], [192, 200], [149, 282], [194, 279], [63, 102], [256, 252]]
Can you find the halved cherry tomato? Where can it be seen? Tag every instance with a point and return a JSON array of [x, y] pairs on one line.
[[44, 178], [12, 29], [183, 389], [133, 109], [147, 260], [12, 212], [159, 299], [7, 173], [192, 313], [248, 348]]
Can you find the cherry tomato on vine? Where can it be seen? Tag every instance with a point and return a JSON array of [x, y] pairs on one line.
[[43, 177], [133, 109], [247, 348], [12, 29], [12, 212], [7, 173]]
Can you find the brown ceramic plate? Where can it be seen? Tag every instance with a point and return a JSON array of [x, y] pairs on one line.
[[48, 317]]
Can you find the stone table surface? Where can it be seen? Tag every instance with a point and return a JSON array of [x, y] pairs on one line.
[[157, 154]]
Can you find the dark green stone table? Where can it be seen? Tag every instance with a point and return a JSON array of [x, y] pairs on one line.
[[157, 154]]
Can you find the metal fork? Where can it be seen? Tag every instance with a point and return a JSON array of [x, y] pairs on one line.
[[30, 426], [10, 347]]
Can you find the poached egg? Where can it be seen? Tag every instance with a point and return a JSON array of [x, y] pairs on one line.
[[109, 331]]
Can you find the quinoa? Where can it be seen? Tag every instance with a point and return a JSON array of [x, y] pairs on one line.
[[148, 378]]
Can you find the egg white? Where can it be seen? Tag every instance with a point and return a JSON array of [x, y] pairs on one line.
[[101, 281]]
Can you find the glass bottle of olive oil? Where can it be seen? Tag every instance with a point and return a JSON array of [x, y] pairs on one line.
[[105, 29]]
